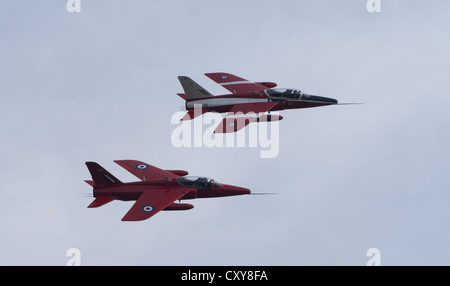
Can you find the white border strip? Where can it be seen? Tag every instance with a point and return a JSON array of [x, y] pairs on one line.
[[236, 82]]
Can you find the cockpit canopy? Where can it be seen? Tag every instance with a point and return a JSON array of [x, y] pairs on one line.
[[198, 182], [285, 93]]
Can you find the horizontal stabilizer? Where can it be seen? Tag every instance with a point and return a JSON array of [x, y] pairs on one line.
[[100, 201], [182, 95], [91, 183], [193, 113]]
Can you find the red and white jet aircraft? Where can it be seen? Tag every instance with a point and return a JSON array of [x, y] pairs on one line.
[[246, 101], [158, 189]]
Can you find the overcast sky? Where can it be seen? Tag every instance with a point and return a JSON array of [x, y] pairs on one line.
[[100, 85]]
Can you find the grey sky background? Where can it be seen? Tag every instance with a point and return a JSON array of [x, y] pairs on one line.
[[101, 85]]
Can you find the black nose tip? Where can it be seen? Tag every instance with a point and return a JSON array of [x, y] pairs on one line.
[[323, 99]]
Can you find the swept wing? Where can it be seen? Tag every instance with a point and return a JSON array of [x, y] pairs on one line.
[[240, 115], [235, 84], [144, 171], [152, 201]]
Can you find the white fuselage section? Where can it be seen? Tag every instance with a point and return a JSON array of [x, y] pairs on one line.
[[213, 102]]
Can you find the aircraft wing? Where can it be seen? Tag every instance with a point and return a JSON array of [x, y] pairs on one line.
[[152, 201], [234, 83], [144, 171], [241, 115]]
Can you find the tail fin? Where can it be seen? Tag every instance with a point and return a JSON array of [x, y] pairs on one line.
[[193, 89], [100, 176]]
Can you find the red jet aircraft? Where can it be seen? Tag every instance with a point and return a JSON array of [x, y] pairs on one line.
[[246, 102], [158, 189]]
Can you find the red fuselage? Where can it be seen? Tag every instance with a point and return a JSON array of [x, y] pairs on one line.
[[132, 191]]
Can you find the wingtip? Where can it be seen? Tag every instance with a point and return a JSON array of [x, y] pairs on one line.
[[212, 74]]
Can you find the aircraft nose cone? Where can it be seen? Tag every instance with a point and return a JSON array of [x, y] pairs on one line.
[[244, 191], [323, 99], [235, 191], [239, 191]]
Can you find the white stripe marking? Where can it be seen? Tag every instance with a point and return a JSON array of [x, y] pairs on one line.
[[236, 82], [212, 102], [240, 114]]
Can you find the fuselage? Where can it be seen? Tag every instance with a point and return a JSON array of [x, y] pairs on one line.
[[286, 98], [132, 191]]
